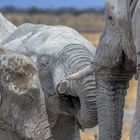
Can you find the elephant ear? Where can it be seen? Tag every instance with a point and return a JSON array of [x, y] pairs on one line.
[[6, 27], [16, 72], [120, 9], [129, 46], [126, 29]]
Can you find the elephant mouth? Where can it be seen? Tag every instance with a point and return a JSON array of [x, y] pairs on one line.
[[70, 104]]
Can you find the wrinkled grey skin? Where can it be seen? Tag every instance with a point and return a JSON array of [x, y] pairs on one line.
[[60, 51], [22, 104]]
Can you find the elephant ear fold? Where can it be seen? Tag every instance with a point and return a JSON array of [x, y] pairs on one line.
[[16, 73], [124, 22], [133, 4]]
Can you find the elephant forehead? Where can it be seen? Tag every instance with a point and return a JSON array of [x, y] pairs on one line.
[[111, 5], [118, 8]]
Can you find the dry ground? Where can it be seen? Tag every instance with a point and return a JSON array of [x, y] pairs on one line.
[[90, 26]]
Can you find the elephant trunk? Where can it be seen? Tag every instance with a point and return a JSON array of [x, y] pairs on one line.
[[110, 104], [85, 91], [87, 114]]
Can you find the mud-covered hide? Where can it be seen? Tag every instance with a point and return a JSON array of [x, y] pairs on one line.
[[22, 104]]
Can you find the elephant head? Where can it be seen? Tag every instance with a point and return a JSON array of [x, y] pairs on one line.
[[76, 98], [22, 104]]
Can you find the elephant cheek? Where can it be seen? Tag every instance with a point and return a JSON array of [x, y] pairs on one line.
[[33, 123]]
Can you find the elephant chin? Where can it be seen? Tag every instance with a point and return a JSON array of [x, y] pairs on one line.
[[77, 106]]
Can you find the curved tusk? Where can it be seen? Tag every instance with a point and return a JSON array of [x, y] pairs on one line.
[[82, 73]]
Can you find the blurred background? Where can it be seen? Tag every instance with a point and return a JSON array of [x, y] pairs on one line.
[[86, 16]]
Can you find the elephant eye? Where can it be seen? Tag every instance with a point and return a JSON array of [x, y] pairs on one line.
[[110, 18], [44, 63]]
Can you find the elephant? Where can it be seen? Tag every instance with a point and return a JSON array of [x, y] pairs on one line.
[[59, 51], [118, 63], [23, 114], [114, 65]]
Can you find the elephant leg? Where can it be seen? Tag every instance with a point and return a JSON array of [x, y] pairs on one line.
[[66, 128], [110, 104]]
